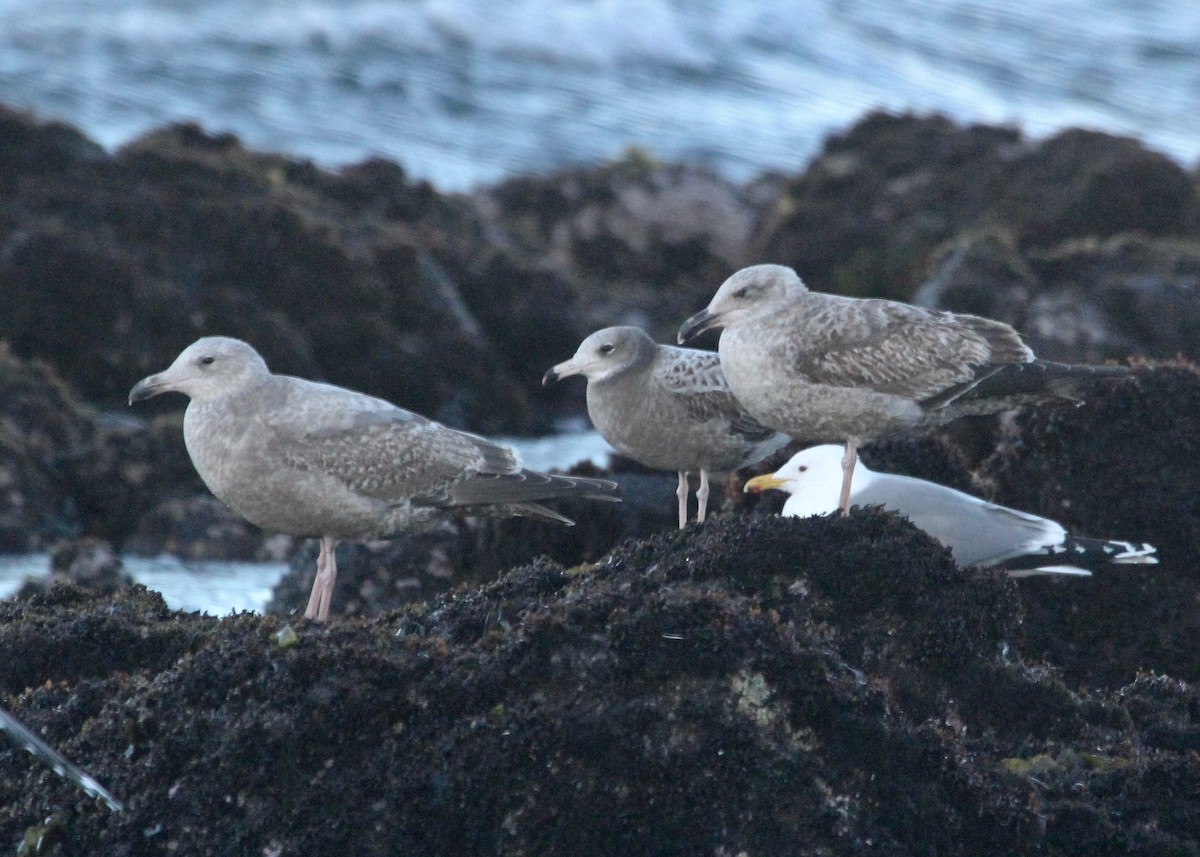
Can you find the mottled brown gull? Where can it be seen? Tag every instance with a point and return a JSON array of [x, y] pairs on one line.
[[667, 408], [976, 532], [312, 459], [830, 368]]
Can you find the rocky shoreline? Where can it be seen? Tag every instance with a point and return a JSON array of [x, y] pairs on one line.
[[752, 685]]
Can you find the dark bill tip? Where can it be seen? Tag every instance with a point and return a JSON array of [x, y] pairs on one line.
[[144, 389], [696, 325], [549, 378]]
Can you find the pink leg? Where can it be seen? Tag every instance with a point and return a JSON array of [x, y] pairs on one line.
[[682, 493], [848, 462], [322, 589], [330, 577], [702, 496], [314, 597]]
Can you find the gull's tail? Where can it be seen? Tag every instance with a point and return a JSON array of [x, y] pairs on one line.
[[1122, 553], [1016, 384], [518, 493], [1079, 556]]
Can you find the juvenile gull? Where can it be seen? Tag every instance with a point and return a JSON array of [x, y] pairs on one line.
[[667, 408], [311, 459], [827, 367], [977, 532]]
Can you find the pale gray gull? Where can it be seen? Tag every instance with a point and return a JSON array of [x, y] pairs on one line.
[[824, 367], [976, 531], [311, 459], [667, 408]]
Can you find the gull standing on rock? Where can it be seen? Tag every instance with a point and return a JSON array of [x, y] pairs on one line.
[[312, 459], [827, 367], [976, 531], [667, 408]]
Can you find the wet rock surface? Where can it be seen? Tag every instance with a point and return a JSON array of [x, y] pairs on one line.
[[752, 685], [863, 218], [755, 685]]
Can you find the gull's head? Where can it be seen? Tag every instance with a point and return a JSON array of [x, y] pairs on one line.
[[606, 353], [812, 477], [748, 292], [208, 368]]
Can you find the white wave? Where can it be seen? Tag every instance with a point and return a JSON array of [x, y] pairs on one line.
[[213, 587], [468, 91]]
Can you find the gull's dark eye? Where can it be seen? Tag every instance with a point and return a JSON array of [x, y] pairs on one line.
[[803, 467], [207, 361], [606, 348], [742, 292]]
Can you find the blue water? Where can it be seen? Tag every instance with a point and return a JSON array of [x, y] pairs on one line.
[[465, 92]]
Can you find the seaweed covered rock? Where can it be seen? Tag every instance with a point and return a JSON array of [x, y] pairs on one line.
[[455, 305], [1082, 301], [182, 233], [201, 527], [644, 233], [67, 470], [42, 428], [630, 242], [866, 215], [756, 685], [1125, 464], [1127, 459]]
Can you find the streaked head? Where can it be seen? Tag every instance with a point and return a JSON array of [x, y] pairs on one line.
[[746, 293], [209, 367], [606, 353]]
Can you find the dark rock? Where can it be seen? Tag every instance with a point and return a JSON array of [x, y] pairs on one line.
[[1126, 461], [866, 215], [1124, 465], [835, 682], [981, 273], [201, 527], [88, 563], [42, 426], [31, 148], [646, 243], [66, 470], [130, 466], [182, 234], [1141, 295], [1083, 301]]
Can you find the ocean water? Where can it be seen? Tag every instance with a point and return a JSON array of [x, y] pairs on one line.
[[465, 92], [217, 588]]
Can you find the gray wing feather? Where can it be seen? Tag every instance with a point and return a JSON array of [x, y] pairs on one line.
[[902, 350], [374, 447], [695, 377], [977, 532]]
